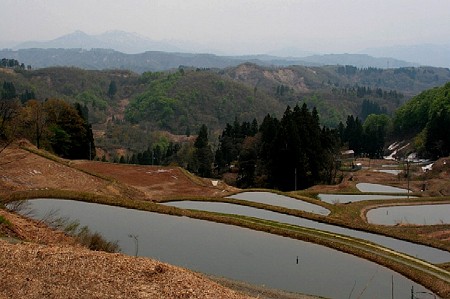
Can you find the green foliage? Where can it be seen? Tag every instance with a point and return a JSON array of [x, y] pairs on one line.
[[371, 107], [84, 236], [155, 104], [4, 221], [8, 91], [88, 97], [180, 102], [376, 127], [9, 63], [112, 89], [288, 154], [413, 116], [203, 156], [428, 116]]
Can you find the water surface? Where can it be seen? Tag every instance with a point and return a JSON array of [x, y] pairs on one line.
[[369, 187], [417, 214], [389, 171], [238, 253], [423, 252], [347, 198], [281, 201]]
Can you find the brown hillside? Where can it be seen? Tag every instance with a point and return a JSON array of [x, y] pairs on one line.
[[39, 262], [157, 182], [21, 169]]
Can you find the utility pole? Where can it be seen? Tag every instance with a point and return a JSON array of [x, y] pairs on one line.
[[295, 178], [392, 287], [407, 174]]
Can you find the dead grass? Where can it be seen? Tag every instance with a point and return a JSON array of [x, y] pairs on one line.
[[30, 270], [24, 174]]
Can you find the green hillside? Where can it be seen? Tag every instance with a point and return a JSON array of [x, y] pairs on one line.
[[126, 108], [186, 99], [427, 117]]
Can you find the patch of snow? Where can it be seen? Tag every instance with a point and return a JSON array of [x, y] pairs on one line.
[[393, 146], [427, 167], [391, 156]]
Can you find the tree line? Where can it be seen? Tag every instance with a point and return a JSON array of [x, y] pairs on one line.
[[292, 153], [13, 64], [427, 117], [51, 124]]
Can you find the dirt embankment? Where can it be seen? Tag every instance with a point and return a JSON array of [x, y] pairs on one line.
[[158, 182], [22, 170], [31, 270], [51, 265], [39, 262]]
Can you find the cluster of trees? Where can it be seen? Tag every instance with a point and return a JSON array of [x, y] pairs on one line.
[[348, 70], [283, 89], [368, 138], [8, 92], [197, 157], [370, 107], [154, 155], [179, 101], [12, 64], [52, 124], [230, 143], [287, 154], [292, 153], [428, 117], [363, 91]]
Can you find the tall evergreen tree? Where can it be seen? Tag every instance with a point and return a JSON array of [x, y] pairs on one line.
[[203, 156]]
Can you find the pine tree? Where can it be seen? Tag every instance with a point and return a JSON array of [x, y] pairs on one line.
[[203, 156]]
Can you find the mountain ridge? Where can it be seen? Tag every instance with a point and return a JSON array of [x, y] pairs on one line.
[[135, 44], [102, 58]]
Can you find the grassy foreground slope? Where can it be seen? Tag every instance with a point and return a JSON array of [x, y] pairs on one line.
[[37, 261], [27, 172]]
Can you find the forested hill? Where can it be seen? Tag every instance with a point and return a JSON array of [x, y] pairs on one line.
[[185, 98], [427, 118], [407, 80]]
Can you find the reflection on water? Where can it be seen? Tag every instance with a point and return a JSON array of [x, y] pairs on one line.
[[346, 198], [242, 254], [417, 214], [390, 171], [423, 252], [281, 201], [369, 187]]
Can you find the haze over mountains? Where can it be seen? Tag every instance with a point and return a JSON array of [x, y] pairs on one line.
[[140, 53]]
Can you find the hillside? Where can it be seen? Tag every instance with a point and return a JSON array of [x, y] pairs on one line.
[[29, 250], [26, 169], [28, 269], [130, 114], [116, 275]]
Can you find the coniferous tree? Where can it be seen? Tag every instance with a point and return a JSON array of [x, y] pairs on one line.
[[8, 91], [112, 89], [203, 156], [438, 134]]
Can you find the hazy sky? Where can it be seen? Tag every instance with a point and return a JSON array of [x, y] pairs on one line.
[[238, 26]]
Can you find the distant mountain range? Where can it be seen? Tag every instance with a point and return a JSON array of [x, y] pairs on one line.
[[130, 43], [427, 54], [123, 50]]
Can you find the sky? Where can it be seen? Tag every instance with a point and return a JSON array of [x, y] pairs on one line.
[[238, 26]]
